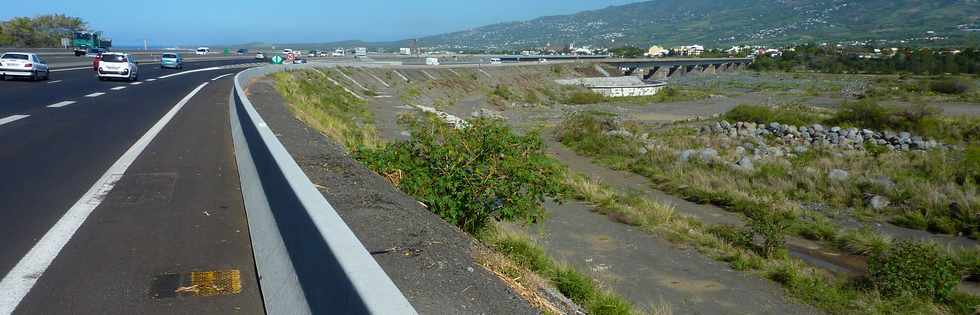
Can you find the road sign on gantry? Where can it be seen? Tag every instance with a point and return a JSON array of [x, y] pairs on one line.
[[277, 60]]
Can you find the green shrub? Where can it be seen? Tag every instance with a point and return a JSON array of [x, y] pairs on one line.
[[736, 236], [917, 269], [865, 114], [750, 113], [970, 166], [585, 97], [942, 225], [585, 132], [949, 86], [503, 92], [525, 254], [791, 115], [573, 284], [964, 303], [913, 220], [471, 175], [772, 226]]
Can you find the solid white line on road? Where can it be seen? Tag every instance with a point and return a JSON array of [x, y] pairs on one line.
[[221, 76], [150, 80], [61, 104], [454, 72], [53, 82], [118, 88], [96, 94], [188, 71], [428, 75], [401, 75], [10, 119], [379, 80], [19, 281], [351, 79], [69, 69], [484, 72], [343, 87], [136, 83]]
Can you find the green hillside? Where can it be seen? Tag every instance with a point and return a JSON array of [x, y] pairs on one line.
[[721, 23]]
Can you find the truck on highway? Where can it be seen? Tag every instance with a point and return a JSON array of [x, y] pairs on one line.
[[360, 52], [84, 42], [432, 61]]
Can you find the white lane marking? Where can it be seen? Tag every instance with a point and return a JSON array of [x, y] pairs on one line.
[[484, 72], [19, 281], [221, 76], [96, 94], [351, 79], [401, 75], [379, 80], [383, 96], [428, 75], [150, 80], [343, 87], [118, 88], [69, 69], [186, 72], [7, 120], [136, 83], [61, 104], [454, 72], [53, 82]]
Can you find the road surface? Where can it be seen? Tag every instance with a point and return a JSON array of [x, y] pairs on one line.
[[117, 195]]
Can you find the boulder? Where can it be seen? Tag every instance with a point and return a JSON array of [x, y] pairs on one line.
[[838, 175], [686, 155], [708, 155], [878, 202], [745, 163]]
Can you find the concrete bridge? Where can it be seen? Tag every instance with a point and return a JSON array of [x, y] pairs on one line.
[[662, 69]]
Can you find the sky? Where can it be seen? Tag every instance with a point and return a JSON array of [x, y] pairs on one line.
[[224, 22]]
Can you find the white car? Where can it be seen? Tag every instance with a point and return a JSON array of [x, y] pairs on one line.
[[118, 66], [24, 65], [260, 56], [202, 51]]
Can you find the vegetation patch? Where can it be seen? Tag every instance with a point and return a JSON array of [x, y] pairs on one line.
[[329, 108], [778, 194], [473, 175]]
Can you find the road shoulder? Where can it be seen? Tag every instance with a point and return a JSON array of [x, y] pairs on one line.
[[429, 260]]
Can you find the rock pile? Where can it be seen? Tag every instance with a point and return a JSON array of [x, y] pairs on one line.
[[801, 138]]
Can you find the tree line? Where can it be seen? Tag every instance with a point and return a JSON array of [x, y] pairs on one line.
[[868, 61], [39, 31]]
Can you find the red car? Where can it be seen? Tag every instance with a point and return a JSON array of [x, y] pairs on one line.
[[95, 62]]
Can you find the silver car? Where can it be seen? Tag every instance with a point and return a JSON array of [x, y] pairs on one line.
[[23, 65]]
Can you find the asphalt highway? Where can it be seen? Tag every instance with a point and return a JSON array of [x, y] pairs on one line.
[[123, 197]]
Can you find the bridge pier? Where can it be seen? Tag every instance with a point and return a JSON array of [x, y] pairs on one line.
[[658, 73]]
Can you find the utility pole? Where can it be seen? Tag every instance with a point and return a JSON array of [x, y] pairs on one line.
[[145, 45]]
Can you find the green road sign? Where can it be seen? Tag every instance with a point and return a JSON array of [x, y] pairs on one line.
[[277, 60]]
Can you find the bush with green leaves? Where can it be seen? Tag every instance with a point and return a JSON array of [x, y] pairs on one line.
[[773, 227], [912, 268], [585, 97], [949, 86], [794, 115], [472, 175]]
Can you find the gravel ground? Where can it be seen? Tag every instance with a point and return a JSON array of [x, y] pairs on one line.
[[428, 259]]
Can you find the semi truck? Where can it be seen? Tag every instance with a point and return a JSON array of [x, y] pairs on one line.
[[83, 42], [360, 51]]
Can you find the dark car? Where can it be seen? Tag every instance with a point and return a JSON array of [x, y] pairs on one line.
[[242, 51]]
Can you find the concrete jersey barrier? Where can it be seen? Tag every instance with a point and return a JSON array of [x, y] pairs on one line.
[[308, 260]]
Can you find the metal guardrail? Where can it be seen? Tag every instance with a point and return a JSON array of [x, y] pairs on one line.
[[308, 260]]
